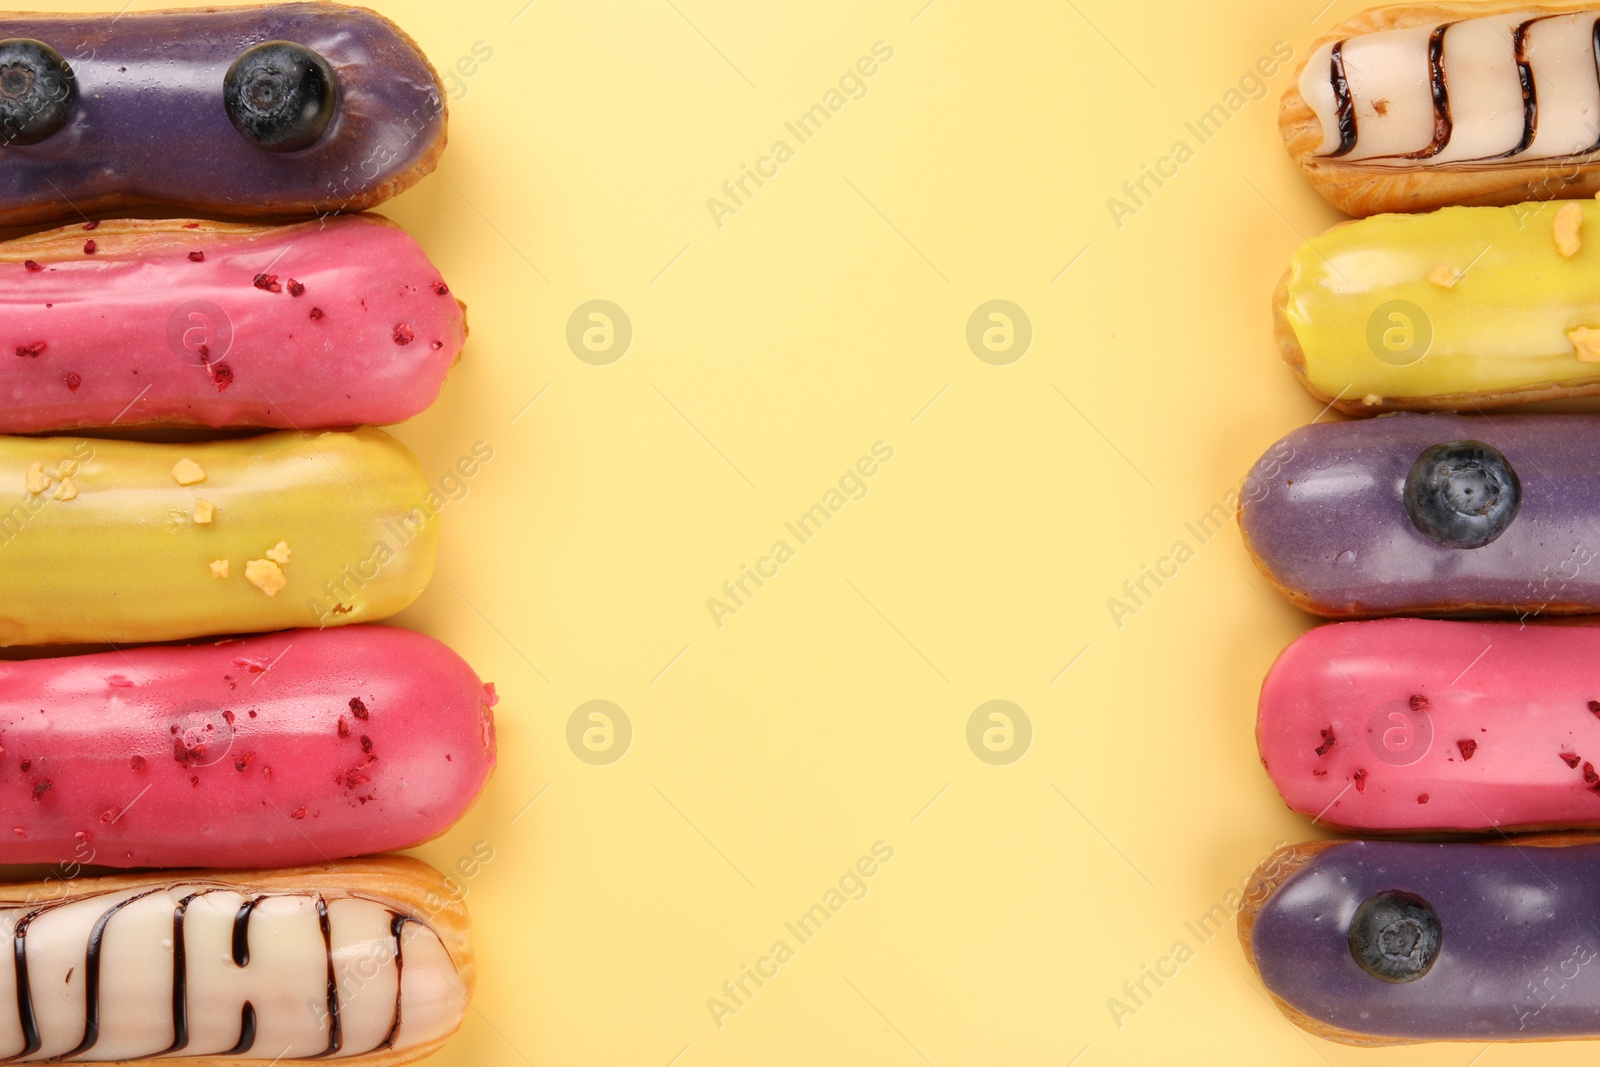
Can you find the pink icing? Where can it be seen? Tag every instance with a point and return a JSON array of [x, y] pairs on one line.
[[288, 748], [320, 324], [1405, 725]]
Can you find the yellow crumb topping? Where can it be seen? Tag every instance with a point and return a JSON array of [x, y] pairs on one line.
[[188, 472]]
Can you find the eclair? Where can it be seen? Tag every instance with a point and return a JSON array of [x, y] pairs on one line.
[[1411, 726], [1431, 514], [1389, 943], [1458, 308], [275, 110], [368, 962], [128, 542], [321, 324], [1415, 106], [277, 750]]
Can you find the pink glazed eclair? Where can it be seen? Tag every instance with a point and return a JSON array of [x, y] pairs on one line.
[[1405, 726], [296, 747], [333, 322]]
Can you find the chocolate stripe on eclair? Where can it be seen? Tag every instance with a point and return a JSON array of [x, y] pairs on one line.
[[397, 924], [1344, 104], [1530, 93], [335, 1027], [91, 975], [1443, 125], [1594, 46], [33, 1040]]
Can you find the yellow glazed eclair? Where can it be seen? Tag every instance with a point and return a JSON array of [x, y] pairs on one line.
[[1458, 308], [368, 962], [125, 542], [1417, 106]]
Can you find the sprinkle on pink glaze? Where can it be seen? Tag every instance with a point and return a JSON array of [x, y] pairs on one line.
[[151, 318], [179, 740], [1441, 725]]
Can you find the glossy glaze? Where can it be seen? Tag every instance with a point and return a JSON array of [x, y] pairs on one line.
[[278, 750], [1329, 525], [213, 324], [124, 559], [1490, 721], [151, 129], [1519, 956], [1370, 323]]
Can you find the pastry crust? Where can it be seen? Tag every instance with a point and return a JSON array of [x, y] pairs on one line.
[[1363, 189], [68, 239], [1274, 871], [401, 879]]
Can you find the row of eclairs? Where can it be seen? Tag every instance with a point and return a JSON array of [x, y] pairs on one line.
[[198, 694], [1448, 719]]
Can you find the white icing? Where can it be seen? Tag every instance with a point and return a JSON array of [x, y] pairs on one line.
[[432, 1000], [1388, 77], [1561, 52], [1391, 94], [1316, 88], [1485, 89], [285, 979]]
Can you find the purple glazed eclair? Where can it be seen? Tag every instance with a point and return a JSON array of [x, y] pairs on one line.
[[332, 322], [1431, 514], [248, 112], [1387, 942]]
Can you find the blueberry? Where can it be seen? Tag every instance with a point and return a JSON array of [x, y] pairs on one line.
[[1462, 494], [1395, 936], [280, 95], [38, 92]]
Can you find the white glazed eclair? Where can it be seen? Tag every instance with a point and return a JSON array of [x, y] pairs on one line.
[[1413, 107], [368, 962]]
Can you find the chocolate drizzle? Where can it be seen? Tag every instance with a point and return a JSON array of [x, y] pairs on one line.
[[19, 953], [1594, 46], [247, 1031], [1530, 94], [1344, 104], [91, 975], [1443, 126], [241, 932], [397, 923], [180, 978], [335, 1028], [33, 1041], [1439, 92]]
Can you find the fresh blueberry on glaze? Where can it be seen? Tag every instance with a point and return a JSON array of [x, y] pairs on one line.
[[38, 93], [280, 95], [1462, 494], [1395, 936]]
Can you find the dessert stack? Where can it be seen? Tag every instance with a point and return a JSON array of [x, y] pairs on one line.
[[1456, 705], [236, 732]]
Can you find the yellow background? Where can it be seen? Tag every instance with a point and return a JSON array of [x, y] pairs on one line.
[[829, 313]]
